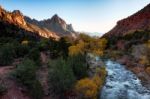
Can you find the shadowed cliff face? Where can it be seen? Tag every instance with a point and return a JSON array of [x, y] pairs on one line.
[[18, 33], [138, 21]]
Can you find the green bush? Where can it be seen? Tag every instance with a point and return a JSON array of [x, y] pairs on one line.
[[79, 65], [35, 89], [44, 44], [25, 73], [63, 46], [34, 55], [3, 89], [61, 77], [21, 50], [7, 54]]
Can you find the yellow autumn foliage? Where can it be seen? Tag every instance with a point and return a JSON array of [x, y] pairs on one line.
[[24, 42], [95, 46], [148, 70], [77, 49], [98, 81], [100, 76], [148, 44], [86, 88], [144, 60], [98, 46], [98, 52]]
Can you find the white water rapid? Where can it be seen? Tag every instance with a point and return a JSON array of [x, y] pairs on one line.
[[122, 84]]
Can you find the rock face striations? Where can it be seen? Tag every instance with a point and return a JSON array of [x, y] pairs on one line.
[[15, 17], [137, 21]]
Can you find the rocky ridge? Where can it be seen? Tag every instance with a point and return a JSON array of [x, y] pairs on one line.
[[50, 28], [135, 22], [55, 24]]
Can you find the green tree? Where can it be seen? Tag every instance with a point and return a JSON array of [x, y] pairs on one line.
[[79, 65], [3, 87], [98, 46], [85, 38], [63, 46], [21, 50], [25, 73], [44, 44], [34, 55], [61, 77], [7, 54], [80, 48]]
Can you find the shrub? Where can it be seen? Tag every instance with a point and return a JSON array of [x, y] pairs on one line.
[[25, 42], [79, 48], [86, 89], [21, 50], [79, 65], [34, 55], [98, 46], [61, 77], [25, 73], [85, 37], [32, 44], [101, 72], [3, 88], [35, 89], [63, 45], [141, 52], [99, 77], [7, 54], [44, 44], [148, 70], [98, 81], [144, 60]]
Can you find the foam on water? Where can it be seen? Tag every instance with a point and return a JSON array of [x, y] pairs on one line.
[[122, 84]]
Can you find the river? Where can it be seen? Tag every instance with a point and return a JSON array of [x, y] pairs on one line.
[[122, 84]]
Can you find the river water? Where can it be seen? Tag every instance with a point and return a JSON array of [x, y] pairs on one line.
[[122, 84]]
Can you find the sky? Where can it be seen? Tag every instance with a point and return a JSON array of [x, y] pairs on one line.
[[85, 15]]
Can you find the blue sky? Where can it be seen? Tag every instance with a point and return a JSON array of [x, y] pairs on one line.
[[85, 15]]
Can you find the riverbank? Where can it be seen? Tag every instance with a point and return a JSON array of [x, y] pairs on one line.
[[131, 64], [136, 68]]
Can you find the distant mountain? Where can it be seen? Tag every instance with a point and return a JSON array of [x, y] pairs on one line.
[[135, 22], [92, 34], [50, 28], [17, 18], [12, 24], [95, 34], [55, 24]]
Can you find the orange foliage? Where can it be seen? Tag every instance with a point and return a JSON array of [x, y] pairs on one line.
[[77, 49], [86, 88], [98, 81], [144, 60], [24, 42], [148, 70], [98, 46]]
